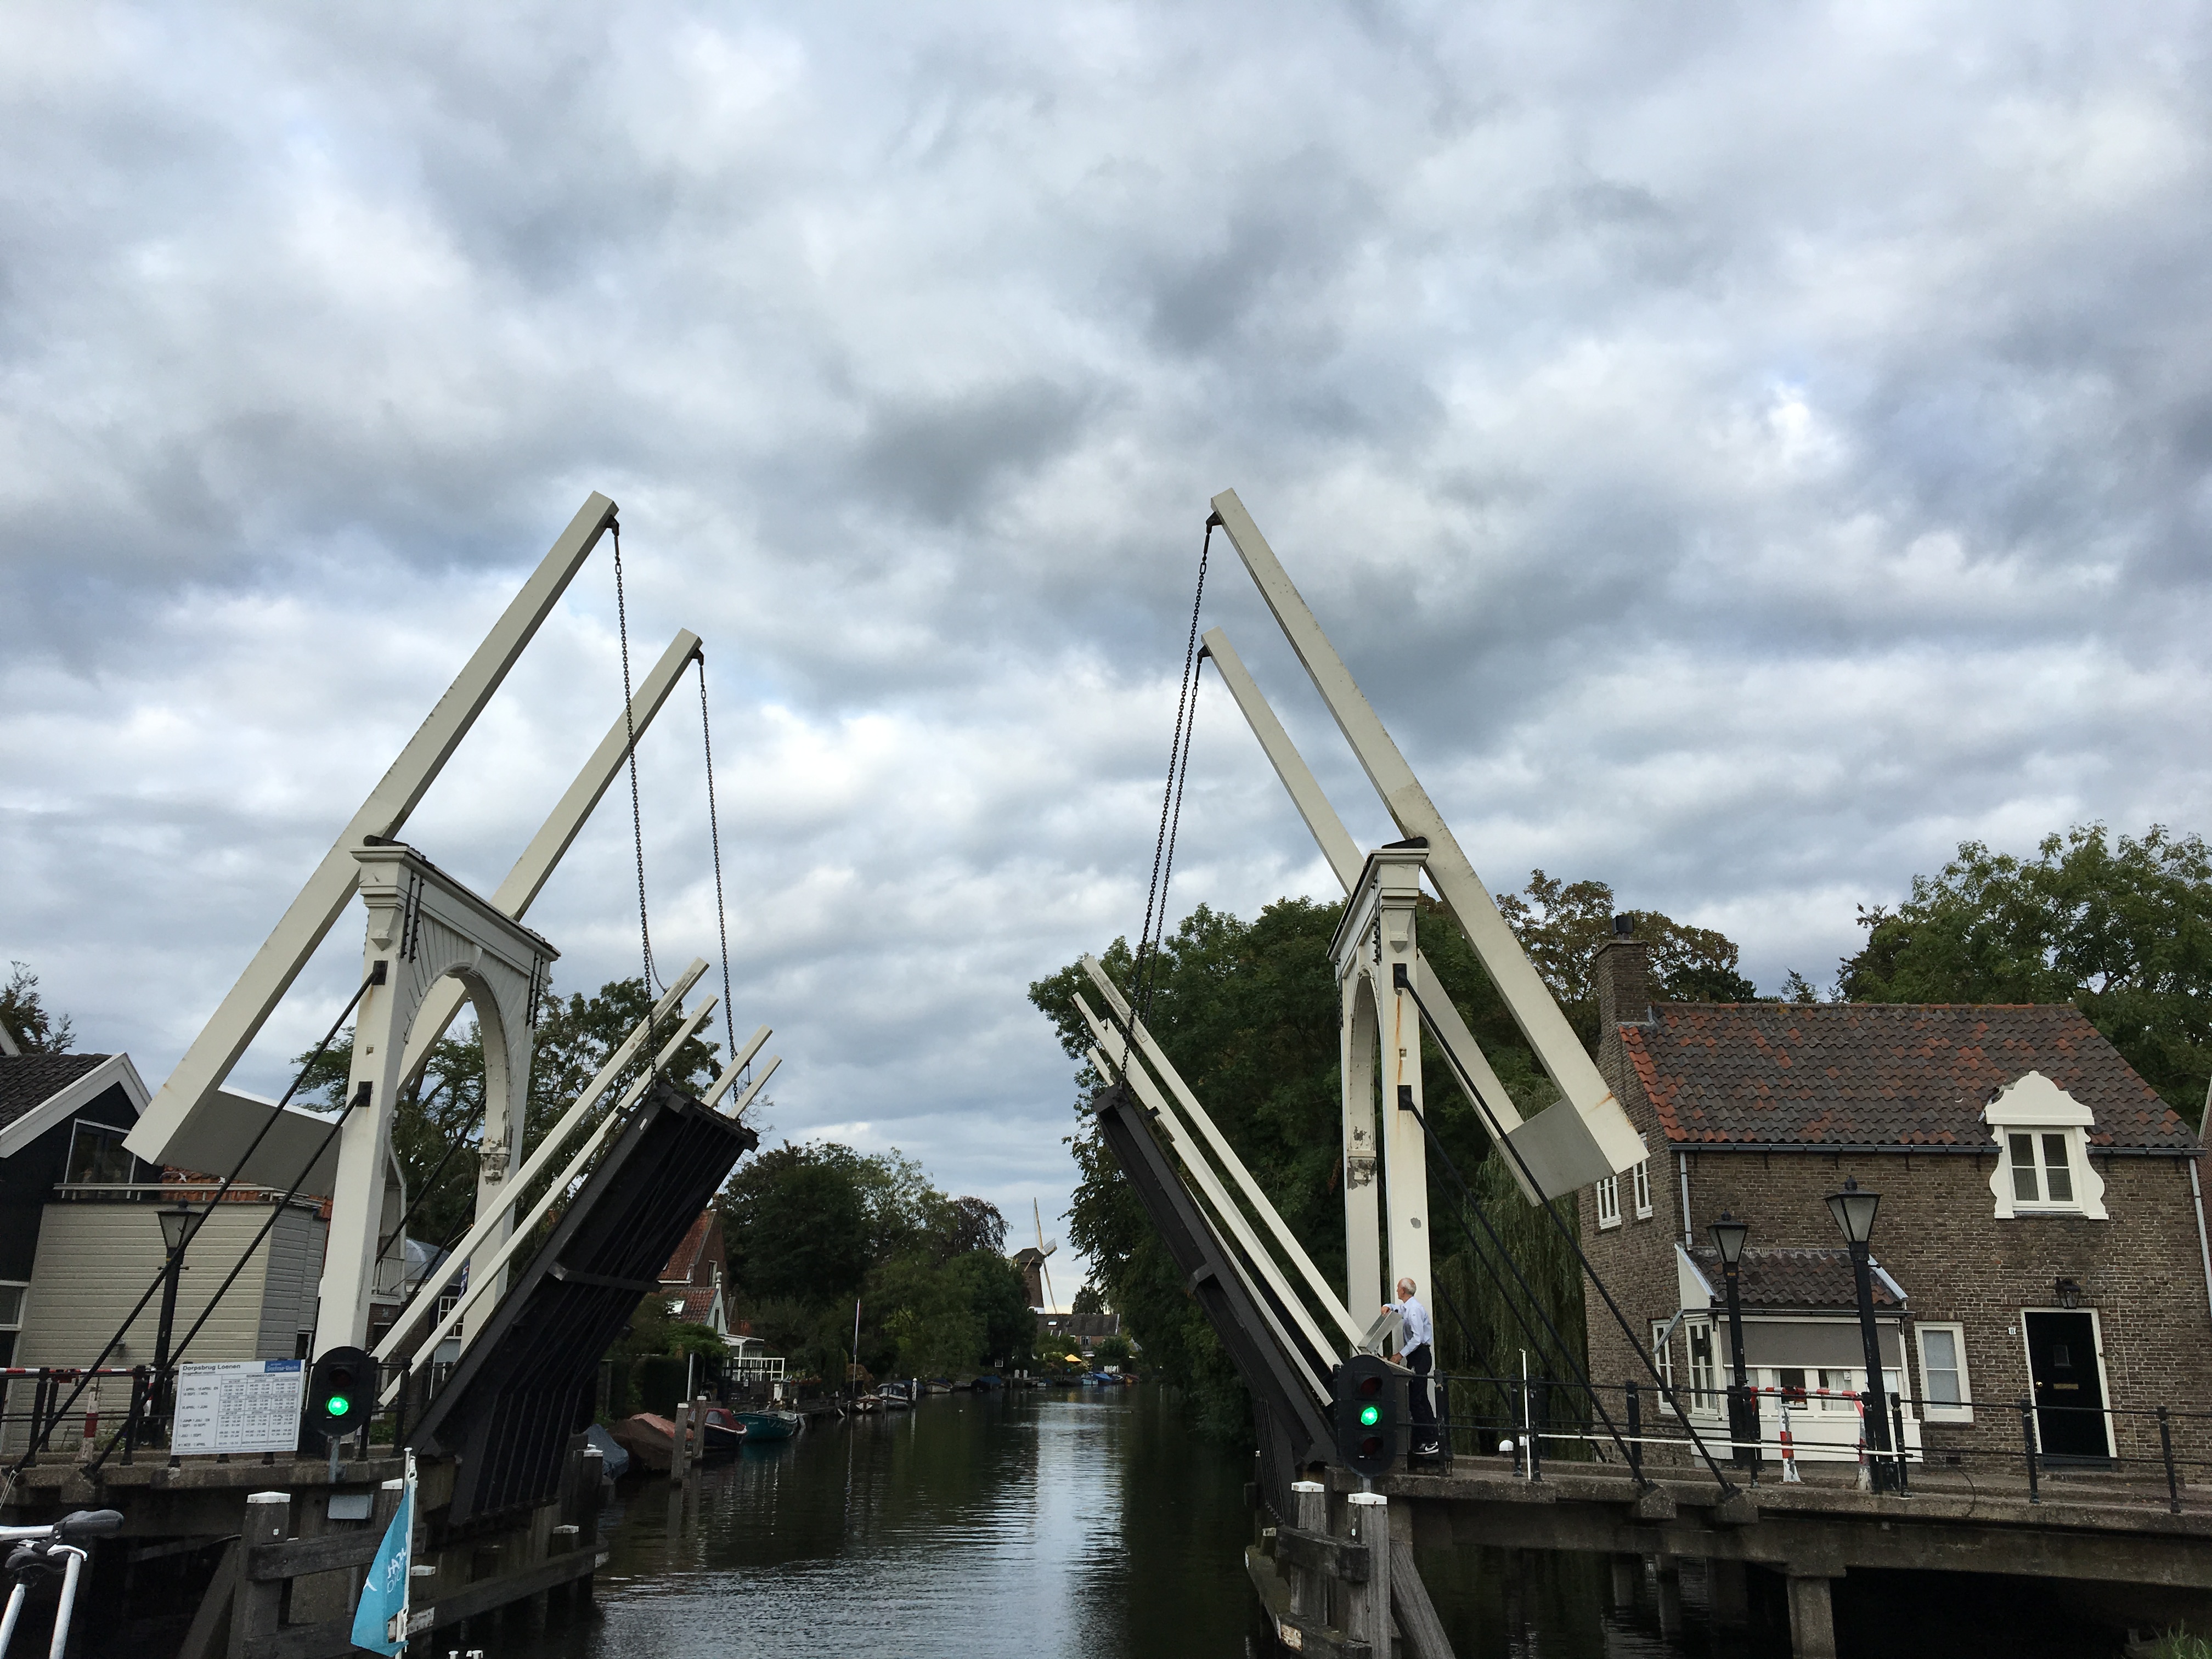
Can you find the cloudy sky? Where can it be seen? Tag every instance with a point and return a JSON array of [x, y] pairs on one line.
[[1742, 451]]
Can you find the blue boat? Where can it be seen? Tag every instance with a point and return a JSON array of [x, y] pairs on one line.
[[764, 1426]]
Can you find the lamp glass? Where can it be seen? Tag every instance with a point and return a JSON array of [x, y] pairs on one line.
[[175, 1221], [1729, 1236], [1854, 1213]]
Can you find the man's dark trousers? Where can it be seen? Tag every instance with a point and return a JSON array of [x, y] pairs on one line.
[[1421, 1361]]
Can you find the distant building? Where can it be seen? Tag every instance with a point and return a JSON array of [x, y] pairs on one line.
[[692, 1282], [2040, 1235], [81, 1235], [1030, 1260], [1076, 1333]]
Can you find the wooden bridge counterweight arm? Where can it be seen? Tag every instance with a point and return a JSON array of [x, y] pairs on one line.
[[238, 1019], [442, 1002], [738, 1062], [1304, 1347], [1226, 1154], [487, 1222], [1342, 853], [481, 1280], [1526, 995]]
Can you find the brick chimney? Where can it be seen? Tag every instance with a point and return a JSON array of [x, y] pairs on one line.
[[1623, 972]]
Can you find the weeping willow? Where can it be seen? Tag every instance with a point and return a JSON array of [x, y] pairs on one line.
[[1490, 1324]]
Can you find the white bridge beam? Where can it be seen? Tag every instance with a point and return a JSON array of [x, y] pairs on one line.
[[239, 1016], [1592, 1138]]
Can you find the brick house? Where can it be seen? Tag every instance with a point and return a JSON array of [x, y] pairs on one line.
[[2041, 1232]]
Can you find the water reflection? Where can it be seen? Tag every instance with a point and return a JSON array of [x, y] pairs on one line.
[[1090, 1523], [1055, 1524]]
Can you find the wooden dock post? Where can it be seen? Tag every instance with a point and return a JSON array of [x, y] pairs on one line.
[[258, 1606], [1309, 1591], [1367, 1602]]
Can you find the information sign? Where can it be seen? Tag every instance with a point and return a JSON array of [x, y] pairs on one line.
[[239, 1406]]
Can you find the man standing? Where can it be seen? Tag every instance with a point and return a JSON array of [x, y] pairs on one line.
[[1417, 1353]]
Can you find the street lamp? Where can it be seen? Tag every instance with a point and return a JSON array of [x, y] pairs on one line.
[[1854, 1212], [176, 1233], [1728, 1235]]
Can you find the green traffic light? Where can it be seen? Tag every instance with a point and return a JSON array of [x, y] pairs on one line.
[[337, 1405], [1369, 1416]]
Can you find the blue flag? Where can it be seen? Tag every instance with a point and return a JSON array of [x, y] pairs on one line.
[[379, 1623]]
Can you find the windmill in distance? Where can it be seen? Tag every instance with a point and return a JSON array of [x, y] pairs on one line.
[[1031, 1258]]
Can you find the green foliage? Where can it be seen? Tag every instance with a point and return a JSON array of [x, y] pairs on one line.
[[2123, 931], [1112, 1351], [1561, 925], [812, 1229], [36, 1030]]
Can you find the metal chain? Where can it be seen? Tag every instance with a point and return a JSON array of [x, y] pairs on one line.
[[637, 813], [1154, 896], [714, 836]]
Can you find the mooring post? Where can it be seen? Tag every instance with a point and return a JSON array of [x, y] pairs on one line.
[[257, 1607], [1897, 1410], [1309, 1591], [592, 1481], [2027, 1445], [1367, 1605]]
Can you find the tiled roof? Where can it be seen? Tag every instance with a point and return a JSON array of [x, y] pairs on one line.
[[27, 1079], [1793, 1278], [1880, 1074], [685, 1261], [698, 1303]]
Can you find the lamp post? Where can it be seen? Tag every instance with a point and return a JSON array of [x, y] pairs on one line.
[[1854, 1213], [1729, 1236], [176, 1233]]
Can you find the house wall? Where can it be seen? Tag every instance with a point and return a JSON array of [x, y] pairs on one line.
[[2141, 1272], [28, 1179], [95, 1261]]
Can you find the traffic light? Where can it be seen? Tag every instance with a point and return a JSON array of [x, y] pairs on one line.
[[1371, 1412], [341, 1393]]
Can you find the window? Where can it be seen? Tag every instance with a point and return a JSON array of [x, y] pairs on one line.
[[1705, 1393], [1642, 1177], [97, 1157], [2041, 1136], [2042, 1173], [1944, 1394], [1608, 1201], [1662, 1359], [11, 1320], [1791, 1379], [1836, 1390]]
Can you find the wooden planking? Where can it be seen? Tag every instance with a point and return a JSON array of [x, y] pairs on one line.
[[297, 1557], [1317, 1552], [210, 1628]]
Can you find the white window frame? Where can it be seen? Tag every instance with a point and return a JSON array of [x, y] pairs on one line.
[[1608, 1201], [1662, 1361], [1931, 1409], [1641, 1182], [2036, 1107], [1710, 1399]]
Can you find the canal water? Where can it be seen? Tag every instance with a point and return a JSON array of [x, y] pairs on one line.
[[1038, 1526]]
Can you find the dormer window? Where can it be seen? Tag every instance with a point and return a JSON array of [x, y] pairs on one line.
[[2042, 1168], [2041, 1133]]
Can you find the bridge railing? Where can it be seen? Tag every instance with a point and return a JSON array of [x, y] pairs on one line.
[[1530, 1420]]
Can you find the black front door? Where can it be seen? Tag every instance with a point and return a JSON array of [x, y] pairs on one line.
[[2070, 1399]]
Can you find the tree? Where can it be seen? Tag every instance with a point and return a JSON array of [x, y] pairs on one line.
[[797, 1225], [1561, 925], [2121, 930], [24, 1013]]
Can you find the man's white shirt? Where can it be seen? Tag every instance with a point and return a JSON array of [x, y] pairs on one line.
[[1418, 1327]]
